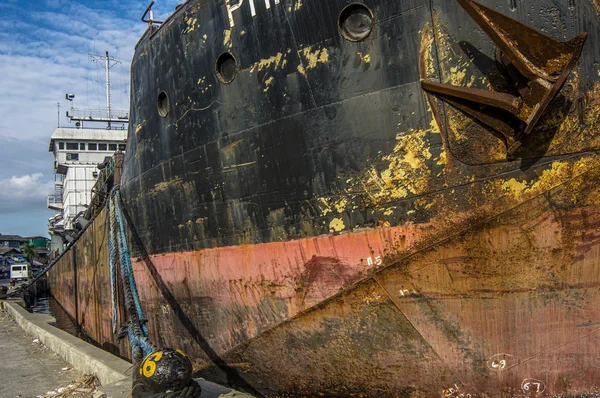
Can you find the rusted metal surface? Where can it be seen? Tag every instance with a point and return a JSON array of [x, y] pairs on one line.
[[322, 226], [80, 283], [535, 65]]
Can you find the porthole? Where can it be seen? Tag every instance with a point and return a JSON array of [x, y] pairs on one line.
[[356, 22], [226, 68], [162, 104]]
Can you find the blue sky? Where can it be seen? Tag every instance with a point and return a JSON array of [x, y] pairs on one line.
[[44, 46]]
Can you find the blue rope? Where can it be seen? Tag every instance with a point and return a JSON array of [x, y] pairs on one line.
[[120, 258], [126, 262]]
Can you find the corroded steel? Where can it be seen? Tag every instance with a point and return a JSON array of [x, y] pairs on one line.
[[81, 285], [535, 64], [322, 226]]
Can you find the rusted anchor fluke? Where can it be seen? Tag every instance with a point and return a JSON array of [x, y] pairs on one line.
[[535, 64]]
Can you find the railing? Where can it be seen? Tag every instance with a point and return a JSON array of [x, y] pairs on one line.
[[98, 114], [54, 202]]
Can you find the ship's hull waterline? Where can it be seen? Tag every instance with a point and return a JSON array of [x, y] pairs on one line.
[[309, 221]]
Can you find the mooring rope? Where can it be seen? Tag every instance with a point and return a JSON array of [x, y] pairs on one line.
[[137, 331], [143, 352], [120, 258]]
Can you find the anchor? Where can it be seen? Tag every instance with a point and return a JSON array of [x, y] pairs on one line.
[[536, 65]]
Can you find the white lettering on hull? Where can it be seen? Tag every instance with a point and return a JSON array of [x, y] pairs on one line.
[[234, 7]]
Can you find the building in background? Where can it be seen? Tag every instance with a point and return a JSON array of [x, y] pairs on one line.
[[14, 241], [78, 153], [42, 247]]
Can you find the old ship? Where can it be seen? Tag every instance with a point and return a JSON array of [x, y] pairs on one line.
[[377, 198]]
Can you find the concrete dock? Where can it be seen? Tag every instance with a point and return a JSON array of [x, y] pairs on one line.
[[43, 359], [28, 368]]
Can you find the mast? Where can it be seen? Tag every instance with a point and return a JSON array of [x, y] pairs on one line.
[[109, 62], [107, 67]]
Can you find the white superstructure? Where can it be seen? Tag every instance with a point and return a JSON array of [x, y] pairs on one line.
[[77, 154]]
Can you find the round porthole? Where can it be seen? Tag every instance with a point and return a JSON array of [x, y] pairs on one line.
[[162, 103], [356, 22], [226, 68]]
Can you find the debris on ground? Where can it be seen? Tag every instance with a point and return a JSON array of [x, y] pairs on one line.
[[81, 387]]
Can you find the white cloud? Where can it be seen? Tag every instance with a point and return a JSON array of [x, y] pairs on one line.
[[21, 192], [44, 48]]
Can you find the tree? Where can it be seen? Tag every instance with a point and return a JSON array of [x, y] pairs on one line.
[[29, 252]]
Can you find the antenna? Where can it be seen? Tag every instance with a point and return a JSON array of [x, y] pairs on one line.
[[109, 62], [58, 115]]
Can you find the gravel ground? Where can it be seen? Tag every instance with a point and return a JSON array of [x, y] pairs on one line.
[[30, 369]]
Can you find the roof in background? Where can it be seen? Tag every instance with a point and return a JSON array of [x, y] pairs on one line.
[[5, 250], [36, 237], [11, 237]]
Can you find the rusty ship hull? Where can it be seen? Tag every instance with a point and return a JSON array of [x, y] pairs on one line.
[[306, 220]]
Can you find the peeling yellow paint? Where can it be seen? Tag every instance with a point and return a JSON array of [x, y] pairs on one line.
[[340, 205], [514, 186], [366, 58], [457, 76], [298, 5], [402, 172], [301, 70], [336, 225], [327, 207], [191, 25], [268, 83], [433, 125], [558, 172], [275, 61], [227, 38], [138, 128], [320, 56], [405, 169], [443, 159]]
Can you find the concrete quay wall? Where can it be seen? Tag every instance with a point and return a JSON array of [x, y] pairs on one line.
[[81, 355]]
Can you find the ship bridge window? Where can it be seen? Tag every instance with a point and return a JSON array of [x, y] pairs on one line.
[[121, 147], [102, 147], [226, 68], [112, 147], [61, 145], [82, 146], [356, 22], [92, 146], [72, 146], [72, 156]]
